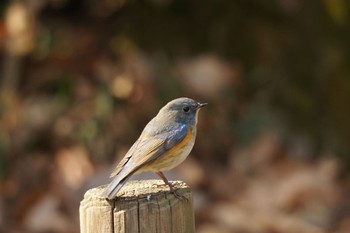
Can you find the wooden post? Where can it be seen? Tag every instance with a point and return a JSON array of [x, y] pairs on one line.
[[141, 207]]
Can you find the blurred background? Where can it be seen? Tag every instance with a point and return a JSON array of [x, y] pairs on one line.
[[80, 79]]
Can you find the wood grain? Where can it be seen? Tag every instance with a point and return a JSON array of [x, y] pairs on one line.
[[144, 206]]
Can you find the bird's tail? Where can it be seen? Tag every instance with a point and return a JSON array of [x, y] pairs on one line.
[[116, 184]]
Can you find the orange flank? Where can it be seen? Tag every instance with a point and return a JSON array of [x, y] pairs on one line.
[[174, 156], [175, 150]]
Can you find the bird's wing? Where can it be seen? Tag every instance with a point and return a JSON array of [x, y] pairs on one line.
[[149, 147]]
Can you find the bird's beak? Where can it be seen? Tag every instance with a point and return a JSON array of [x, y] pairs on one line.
[[201, 105]]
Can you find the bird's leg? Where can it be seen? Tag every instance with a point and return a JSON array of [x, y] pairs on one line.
[[172, 190]]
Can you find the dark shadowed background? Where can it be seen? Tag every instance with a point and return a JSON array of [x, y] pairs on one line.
[[80, 79]]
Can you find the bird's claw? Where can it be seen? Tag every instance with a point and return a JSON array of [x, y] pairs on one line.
[[178, 195]]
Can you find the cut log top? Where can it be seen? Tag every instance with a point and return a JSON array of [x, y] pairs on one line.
[[141, 206], [136, 188]]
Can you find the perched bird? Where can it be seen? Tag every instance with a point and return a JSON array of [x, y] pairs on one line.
[[164, 143]]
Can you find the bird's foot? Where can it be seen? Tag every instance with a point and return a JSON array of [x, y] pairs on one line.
[[172, 190], [178, 195]]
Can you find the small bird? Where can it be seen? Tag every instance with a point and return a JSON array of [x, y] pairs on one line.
[[164, 143]]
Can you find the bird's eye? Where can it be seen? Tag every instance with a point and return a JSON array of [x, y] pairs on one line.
[[186, 109]]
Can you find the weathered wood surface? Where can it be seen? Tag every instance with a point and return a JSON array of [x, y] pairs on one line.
[[141, 207]]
